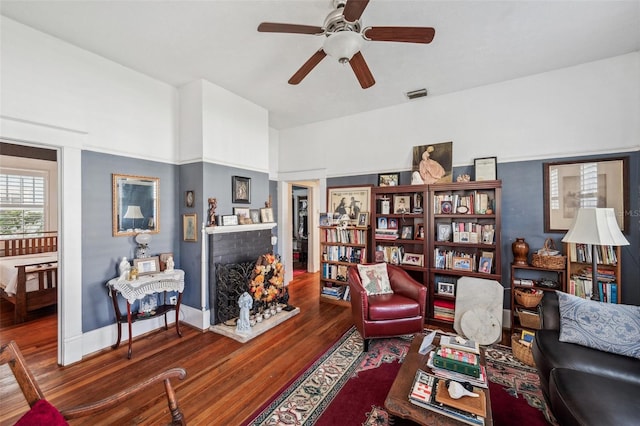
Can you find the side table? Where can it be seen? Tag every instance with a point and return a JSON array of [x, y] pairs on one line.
[[137, 289]]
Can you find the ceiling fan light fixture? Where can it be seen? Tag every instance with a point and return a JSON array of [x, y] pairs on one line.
[[342, 45]]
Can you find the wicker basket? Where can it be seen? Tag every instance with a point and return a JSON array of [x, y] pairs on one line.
[[543, 260], [522, 352], [528, 299], [528, 319]]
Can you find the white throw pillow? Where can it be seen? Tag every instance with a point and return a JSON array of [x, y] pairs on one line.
[[375, 279]]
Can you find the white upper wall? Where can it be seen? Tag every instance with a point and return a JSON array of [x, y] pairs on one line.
[[588, 109]]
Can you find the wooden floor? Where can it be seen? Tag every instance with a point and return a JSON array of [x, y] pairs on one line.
[[226, 380]]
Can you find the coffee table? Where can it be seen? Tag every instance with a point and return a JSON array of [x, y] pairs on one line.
[[397, 402]]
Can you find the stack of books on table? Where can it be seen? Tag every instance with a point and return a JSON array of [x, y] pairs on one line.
[[336, 292], [459, 360], [430, 392]]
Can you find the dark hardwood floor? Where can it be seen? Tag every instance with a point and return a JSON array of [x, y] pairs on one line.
[[226, 380]]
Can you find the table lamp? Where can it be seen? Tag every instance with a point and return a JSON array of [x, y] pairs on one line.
[[133, 212], [598, 227]]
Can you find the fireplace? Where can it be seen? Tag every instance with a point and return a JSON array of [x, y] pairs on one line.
[[233, 250]]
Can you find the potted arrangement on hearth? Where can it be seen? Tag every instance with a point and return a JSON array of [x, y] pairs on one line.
[[267, 284]]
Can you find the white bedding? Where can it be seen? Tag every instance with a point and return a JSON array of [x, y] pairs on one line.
[[9, 272]]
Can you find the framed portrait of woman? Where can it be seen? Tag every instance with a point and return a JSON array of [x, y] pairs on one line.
[[432, 163]]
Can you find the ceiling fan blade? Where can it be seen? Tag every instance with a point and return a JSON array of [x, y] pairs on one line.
[[273, 27], [307, 67], [402, 34], [353, 9], [361, 70]]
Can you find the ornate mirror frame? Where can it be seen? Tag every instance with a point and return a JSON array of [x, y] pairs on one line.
[[136, 205]]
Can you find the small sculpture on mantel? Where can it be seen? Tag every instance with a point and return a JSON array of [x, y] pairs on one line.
[[245, 302], [123, 269], [170, 264], [213, 204]]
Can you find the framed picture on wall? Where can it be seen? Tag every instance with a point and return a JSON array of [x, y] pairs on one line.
[[189, 198], [568, 186], [190, 227], [349, 201], [240, 189], [486, 168]]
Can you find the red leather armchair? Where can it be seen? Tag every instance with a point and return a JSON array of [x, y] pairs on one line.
[[387, 315]]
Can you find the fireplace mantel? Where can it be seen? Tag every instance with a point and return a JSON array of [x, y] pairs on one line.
[[239, 228]]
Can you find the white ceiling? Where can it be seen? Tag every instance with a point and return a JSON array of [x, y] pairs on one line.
[[476, 43]]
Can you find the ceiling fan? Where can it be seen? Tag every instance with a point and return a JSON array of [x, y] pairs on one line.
[[345, 36]]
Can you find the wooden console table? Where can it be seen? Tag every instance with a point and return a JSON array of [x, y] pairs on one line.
[[137, 289]]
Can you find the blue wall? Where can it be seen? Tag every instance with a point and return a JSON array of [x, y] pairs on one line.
[[523, 215]]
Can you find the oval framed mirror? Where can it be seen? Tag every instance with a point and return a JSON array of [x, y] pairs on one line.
[[135, 205]]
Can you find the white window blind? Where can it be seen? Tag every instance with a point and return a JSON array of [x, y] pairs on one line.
[[22, 203]]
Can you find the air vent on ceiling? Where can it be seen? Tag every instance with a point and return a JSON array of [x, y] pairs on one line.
[[414, 94]]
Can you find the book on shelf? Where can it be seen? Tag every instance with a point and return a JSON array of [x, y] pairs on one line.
[[460, 343], [424, 394]]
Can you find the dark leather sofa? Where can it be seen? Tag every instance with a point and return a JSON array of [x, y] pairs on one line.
[[388, 315], [584, 386]]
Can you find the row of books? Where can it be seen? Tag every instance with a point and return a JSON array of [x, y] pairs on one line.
[[450, 259], [470, 203], [471, 232], [345, 236], [582, 286], [334, 272], [444, 310], [345, 254], [605, 255], [338, 292], [386, 234]]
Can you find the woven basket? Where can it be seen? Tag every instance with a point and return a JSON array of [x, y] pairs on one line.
[[544, 260], [522, 352], [528, 299], [529, 320]]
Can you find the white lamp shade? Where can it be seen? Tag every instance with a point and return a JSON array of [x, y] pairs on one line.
[[143, 238], [133, 212], [343, 44], [596, 226]]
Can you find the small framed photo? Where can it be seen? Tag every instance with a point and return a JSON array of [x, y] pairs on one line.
[[419, 232], [266, 214], [229, 219], [363, 219], [446, 208], [401, 204], [163, 260], [444, 232], [413, 259], [382, 223], [407, 232], [244, 215], [393, 223], [486, 168], [324, 219], [462, 264], [485, 265], [447, 289], [240, 189], [379, 256], [189, 198], [147, 265], [190, 227], [254, 214], [388, 179]]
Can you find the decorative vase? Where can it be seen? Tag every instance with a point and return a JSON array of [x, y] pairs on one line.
[[520, 251]]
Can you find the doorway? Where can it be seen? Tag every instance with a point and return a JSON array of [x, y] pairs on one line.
[[300, 229]]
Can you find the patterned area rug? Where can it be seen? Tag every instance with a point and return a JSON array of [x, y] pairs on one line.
[[348, 387]]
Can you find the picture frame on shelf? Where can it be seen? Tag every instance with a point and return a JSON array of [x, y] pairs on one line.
[[254, 214], [229, 219], [419, 231], [484, 266], [485, 168], [388, 179], [378, 256], [413, 259], [189, 199], [444, 232], [147, 265], [401, 204], [163, 260], [349, 200], [363, 219], [240, 189], [407, 232], [385, 206], [244, 215], [266, 214], [382, 223], [446, 207], [462, 263], [324, 219], [190, 227], [393, 223], [563, 193], [432, 163], [446, 289]]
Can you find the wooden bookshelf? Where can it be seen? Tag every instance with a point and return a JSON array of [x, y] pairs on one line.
[[579, 275]]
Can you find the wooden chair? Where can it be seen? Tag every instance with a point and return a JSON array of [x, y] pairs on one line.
[[10, 354]]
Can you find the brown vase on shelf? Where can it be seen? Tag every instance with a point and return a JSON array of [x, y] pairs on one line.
[[520, 251]]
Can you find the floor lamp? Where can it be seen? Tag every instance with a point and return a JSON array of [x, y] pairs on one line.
[[598, 227]]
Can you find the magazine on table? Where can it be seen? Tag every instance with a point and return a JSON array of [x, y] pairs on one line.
[[459, 343], [423, 394]]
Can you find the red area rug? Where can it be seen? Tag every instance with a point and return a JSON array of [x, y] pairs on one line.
[[348, 387]]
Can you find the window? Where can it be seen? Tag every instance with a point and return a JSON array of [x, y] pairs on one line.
[[22, 202]]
